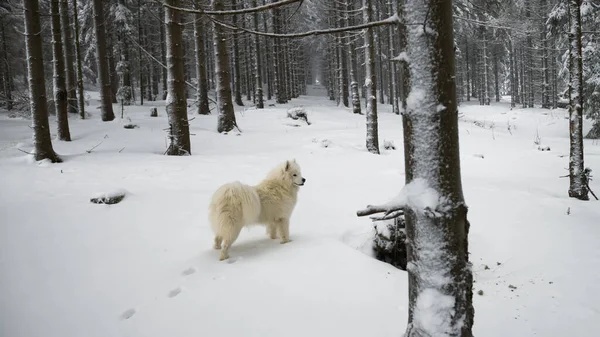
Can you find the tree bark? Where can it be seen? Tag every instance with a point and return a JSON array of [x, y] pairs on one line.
[[68, 56], [236, 61], [257, 62], [176, 98], [102, 63], [80, 98], [58, 66], [163, 52], [577, 178], [201, 85], [440, 277], [370, 82], [226, 120], [7, 77], [37, 87], [353, 65]]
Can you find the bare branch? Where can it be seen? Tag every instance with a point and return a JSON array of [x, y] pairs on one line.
[[394, 19], [379, 209], [232, 12]]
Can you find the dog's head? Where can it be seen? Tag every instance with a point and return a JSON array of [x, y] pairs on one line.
[[292, 170]]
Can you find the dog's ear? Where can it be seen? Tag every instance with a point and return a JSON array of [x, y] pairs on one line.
[[287, 165]]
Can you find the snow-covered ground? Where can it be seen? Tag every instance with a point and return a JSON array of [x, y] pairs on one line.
[[146, 267]]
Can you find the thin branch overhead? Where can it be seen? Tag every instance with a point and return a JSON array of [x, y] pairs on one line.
[[232, 12], [389, 21]]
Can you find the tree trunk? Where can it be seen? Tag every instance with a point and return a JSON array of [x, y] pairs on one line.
[[226, 120], [496, 70], [68, 56], [578, 181], [37, 87], [140, 60], [257, 62], [342, 42], [236, 61], [201, 85], [176, 98], [353, 66], [439, 273], [468, 65], [7, 77], [163, 51], [102, 63], [58, 83], [370, 82], [80, 98]]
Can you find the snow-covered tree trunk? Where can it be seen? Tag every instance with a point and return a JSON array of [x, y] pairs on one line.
[[200, 54], [37, 88], [440, 276], [545, 61], [342, 41], [237, 76], [7, 81], [485, 97], [578, 181], [79, 61], [511, 70], [467, 66], [176, 98], [141, 68], [102, 63], [353, 65], [370, 81], [226, 119], [68, 56], [392, 65], [268, 63], [58, 83], [260, 104], [163, 52]]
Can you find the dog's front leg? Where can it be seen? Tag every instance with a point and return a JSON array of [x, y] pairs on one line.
[[284, 230]]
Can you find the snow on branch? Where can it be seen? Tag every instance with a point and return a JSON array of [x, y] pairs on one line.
[[394, 19], [232, 12], [416, 195]]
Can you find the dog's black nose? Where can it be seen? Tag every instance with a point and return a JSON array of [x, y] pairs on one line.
[[303, 180]]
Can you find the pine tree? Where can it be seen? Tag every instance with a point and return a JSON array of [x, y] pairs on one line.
[[59, 86], [37, 88], [106, 95]]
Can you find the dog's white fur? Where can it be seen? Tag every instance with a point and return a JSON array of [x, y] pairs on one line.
[[270, 203]]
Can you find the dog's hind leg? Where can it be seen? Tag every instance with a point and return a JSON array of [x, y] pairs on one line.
[[272, 230], [218, 241], [228, 239]]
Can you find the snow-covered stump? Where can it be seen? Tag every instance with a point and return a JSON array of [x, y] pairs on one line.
[[296, 113], [440, 276]]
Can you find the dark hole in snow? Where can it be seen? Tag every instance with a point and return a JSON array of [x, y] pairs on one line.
[[389, 243], [109, 198], [130, 126], [544, 148]]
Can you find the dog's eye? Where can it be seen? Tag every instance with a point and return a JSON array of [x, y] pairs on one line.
[[295, 174]]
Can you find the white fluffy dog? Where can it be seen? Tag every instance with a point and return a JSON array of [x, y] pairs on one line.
[[270, 203]]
